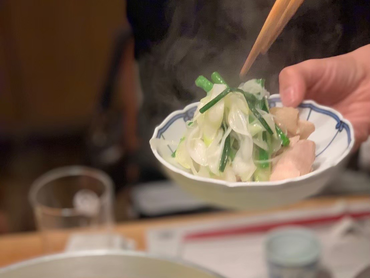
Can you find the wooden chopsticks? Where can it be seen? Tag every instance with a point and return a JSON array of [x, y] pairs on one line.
[[279, 16]]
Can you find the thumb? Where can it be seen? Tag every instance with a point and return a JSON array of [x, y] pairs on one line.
[[326, 81], [310, 79], [292, 85]]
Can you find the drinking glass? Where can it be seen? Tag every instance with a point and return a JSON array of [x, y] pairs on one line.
[[72, 201]]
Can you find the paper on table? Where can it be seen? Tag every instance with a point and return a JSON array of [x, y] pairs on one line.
[[240, 253], [233, 256], [86, 241]]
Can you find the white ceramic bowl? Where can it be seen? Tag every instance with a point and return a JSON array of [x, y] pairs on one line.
[[334, 138], [105, 264]]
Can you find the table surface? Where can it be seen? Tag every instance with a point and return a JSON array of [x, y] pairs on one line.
[[17, 247]]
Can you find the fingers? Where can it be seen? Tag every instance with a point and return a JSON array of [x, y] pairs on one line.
[[341, 82], [292, 85], [312, 76], [326, 81]]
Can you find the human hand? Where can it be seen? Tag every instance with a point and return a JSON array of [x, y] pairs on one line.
[[342, 82]]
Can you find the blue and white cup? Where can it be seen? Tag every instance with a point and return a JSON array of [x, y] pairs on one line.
[[292, 252]]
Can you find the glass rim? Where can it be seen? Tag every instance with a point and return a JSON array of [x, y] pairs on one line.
[[303, 233], [62, 172]]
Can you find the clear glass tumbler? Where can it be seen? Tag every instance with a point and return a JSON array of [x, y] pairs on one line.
[[72, 201]]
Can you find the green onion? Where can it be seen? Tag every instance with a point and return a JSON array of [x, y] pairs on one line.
[[264, 105], [261, 82], [204, 83], [264, 102], [252, 102], [260, 118], [261, 175], [232, 154], [181, 140], [263, 165], [190, 123], [284, 139], [234, 148], [225, 154], [217, 79], [264, 155], [248, 96], [214, 101]]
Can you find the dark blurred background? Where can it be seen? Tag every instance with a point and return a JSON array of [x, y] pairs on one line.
[[54, 59], [61, 76]]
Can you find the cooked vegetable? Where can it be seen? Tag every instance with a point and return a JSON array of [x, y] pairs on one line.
[[204, 83], [225, 154], [284, 139], [234, 136], [214, 101], [217, 79], [252, 103], [296, 161]]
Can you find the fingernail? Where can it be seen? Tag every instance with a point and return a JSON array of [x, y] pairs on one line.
[[288, 96]]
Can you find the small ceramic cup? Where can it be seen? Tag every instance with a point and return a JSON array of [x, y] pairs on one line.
[[292, 252]]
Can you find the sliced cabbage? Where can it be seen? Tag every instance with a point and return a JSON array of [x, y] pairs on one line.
[[243, 165], [253, 87], [229, 174], [182, 155], [228, 129], [238, 100], [214, 151], [196, 147], [269, 119], [238, 121], [255, 128]]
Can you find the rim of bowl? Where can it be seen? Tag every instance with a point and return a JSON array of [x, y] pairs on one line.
[[254, 184], [104, 252]]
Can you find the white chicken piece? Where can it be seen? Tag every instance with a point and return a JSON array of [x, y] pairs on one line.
[[305, 129], [295, 162], [287, 118], [293, 140]]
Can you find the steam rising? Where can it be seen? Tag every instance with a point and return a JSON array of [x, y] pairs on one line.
[[206, 36]]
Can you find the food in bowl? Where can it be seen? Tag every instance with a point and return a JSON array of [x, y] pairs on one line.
[[333, 137], [235, 136]]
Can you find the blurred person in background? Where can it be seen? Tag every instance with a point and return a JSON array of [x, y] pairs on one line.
[[175, 41]]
